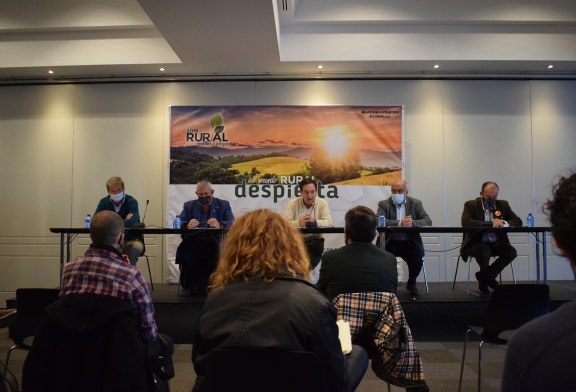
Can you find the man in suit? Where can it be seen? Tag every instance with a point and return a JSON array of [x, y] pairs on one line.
[[484, 212], [405, 211], [198, 253], [359, 266]]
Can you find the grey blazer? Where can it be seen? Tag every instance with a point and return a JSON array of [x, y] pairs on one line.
[[413, 208]]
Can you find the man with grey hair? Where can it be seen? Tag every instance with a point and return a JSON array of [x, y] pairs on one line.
[[405, 211], [198, 253]]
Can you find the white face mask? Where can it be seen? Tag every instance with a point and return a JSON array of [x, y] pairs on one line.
[[398, 198], [117, 197]]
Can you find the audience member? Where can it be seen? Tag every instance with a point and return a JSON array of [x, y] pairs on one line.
[[105, 271], [310, 211], [127, 207], [540, 354], [359, 266], [197, 255], [488, 211], [405, 211], [260, 297]]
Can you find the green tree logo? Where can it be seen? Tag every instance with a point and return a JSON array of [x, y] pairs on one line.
[[216, 123]]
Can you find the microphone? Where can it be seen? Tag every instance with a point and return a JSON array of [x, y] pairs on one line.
[[141, 225]]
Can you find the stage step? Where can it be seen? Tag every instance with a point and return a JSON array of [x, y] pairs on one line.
[[441, 315]]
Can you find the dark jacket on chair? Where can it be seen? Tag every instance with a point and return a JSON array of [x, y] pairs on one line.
[[473, 216], [88, 343]]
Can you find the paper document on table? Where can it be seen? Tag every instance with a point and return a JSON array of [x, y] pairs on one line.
[[344, 336]]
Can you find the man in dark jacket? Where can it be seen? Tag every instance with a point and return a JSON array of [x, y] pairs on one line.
[[359, 266], [487, 211], [540, 354]]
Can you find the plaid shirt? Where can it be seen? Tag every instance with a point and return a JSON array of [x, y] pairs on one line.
[[104, 272], [391, 333]]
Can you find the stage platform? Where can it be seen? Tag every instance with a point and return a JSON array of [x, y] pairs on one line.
[[441, 315]]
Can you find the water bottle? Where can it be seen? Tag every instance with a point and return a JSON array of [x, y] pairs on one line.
[[87, 221], [382, 220], [530, 220], [177, 223]]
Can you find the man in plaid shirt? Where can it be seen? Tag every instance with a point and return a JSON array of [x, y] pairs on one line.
[[103, 270]]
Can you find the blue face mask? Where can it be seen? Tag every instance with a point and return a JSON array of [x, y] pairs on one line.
[[117, 197], [398, 198]]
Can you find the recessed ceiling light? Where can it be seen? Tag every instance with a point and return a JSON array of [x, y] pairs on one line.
[[161, 69], [320, 66], [436, 66], [550, 66], [50, 72]]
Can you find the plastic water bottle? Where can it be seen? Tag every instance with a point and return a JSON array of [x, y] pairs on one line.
[[177, 223], [530, 220], [382, 220], [87, 221]]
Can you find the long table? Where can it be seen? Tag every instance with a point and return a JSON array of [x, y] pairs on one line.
[[539, 234]]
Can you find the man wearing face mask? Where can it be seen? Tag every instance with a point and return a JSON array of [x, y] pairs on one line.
[[405, 211], [488, 211], [127, 207], [198, 253]]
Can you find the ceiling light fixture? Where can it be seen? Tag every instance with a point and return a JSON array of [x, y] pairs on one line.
[[50, 71], [161, 69], [550, 66], [436, 66], [320, 66]]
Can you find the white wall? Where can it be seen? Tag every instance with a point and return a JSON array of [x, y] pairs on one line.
[[60, 143]]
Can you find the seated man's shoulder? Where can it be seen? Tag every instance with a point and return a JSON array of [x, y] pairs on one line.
[[413, 199], [333, 253]]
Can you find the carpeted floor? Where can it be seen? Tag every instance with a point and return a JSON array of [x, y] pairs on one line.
[[441, 366]]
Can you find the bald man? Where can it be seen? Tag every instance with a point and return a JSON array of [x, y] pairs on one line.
[[405, 211], [104, 270], [488, 211]]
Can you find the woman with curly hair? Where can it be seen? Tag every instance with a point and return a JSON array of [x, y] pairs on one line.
[[260, 297]]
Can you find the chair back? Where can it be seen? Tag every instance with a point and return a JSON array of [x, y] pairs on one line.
[[513, 305], [260, 370], [88, 343], [30, 304]]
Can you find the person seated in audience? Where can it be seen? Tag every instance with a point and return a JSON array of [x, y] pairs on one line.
[[260, 297], [105, 271], [127, 207], [359, 266], [488, 211], [197, 254], [540, 354]]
